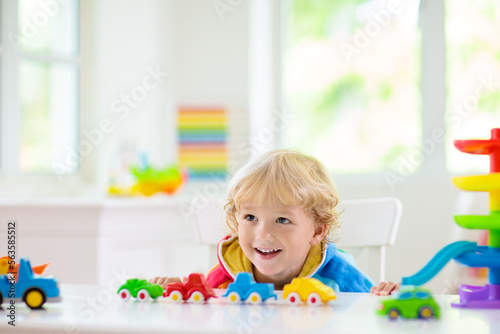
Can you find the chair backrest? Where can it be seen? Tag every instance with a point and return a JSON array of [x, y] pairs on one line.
[[209, 221], [368, 227]]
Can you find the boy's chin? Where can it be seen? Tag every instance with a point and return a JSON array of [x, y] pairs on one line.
[[268, 271]]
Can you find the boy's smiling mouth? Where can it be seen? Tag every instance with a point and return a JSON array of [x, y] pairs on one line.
[[267, 253]]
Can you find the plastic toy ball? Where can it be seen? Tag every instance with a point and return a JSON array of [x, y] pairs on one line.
[[196, 290], [410, 302], [308, 290], [244, 288], [139, 289]]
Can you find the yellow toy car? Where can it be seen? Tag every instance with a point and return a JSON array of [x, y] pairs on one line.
[[308, 290]]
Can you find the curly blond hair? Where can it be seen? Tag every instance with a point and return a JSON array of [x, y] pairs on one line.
[[290, 178]]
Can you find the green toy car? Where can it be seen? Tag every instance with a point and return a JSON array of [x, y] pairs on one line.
[[410, 302], [140, 289]]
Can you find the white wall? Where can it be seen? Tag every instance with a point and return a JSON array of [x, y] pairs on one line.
[[211, 54], [126, 42], [203, 51]]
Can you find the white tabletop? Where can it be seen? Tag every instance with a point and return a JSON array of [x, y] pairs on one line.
[[93, 309]]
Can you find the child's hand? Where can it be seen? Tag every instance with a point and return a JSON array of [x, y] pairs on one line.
[[384, 289], [164, 281]]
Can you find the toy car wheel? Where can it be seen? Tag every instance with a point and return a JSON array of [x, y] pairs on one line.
[[425, 312], [393, 313], [314, 299], [143, 295], [254, 298], [34, 298], [234, 297], [124, 294], [293, 298], [197, 297], [176, 296]]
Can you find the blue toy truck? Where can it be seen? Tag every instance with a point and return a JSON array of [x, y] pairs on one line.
[[244, 288], [30, 288]]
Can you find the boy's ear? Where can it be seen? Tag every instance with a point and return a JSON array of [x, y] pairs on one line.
[[319, 233]]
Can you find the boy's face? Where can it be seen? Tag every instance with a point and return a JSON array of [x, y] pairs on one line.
[[277, 239]]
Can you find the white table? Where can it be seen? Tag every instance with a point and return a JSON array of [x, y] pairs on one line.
[[93, 309]]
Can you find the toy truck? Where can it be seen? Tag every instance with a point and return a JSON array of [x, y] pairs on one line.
[[30, 288], [196, 289]]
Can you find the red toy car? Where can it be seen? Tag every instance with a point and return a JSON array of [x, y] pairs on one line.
[[196, 289]]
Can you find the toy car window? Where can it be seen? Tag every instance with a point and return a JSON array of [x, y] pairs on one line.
[[405, 295], [422, 295]]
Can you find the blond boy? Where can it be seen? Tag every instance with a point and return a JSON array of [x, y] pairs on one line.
[[283, 214]]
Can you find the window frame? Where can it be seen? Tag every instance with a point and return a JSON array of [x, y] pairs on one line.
[[12, 180], [432, 91]]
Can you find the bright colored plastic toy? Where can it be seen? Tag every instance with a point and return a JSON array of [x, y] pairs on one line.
[[32, 289], [309, 290], [196, 289], [409, 302], [140, 289], [151, 181], [5, 268], [244, 288], [469, 253]]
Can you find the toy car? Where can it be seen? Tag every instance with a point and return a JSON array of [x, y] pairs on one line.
[[32, 289], [140, 289], [409, 302], [244, 288], [309, 290], [196, 289]]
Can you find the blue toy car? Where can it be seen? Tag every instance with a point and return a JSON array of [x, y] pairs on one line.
[[30, 288], [244, 288]]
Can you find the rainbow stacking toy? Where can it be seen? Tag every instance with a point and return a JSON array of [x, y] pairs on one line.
[[469, 253], [202, 136]]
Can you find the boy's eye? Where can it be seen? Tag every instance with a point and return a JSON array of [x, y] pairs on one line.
[[250, 218], [282, 220]]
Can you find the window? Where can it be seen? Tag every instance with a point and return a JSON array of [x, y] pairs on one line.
[[352, 69], [405, 296], [473, 78], [39, 87], [354, 72], [422, 295]]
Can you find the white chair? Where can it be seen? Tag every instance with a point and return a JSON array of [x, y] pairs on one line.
[[209, 224], [368, 227]]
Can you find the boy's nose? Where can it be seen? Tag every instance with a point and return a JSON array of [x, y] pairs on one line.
[[265, 231]]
